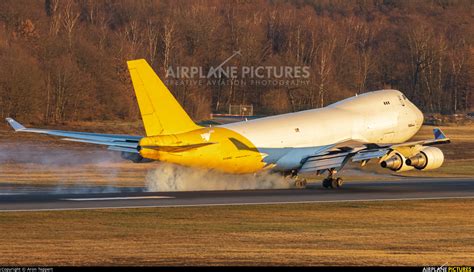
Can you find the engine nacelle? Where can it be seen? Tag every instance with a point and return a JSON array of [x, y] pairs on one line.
[[134, 157], [428, 158], [396, 162]]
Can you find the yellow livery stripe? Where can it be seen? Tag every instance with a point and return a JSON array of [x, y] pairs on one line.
[[228, 152]]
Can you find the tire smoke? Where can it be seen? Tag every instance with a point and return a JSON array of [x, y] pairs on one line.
[[169, 177], [30, 168], [42, 168]]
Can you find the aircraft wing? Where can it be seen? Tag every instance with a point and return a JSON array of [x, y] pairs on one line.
[[336, 158], [115, 142]]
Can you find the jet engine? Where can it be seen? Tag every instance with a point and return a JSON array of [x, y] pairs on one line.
[[396, 162], [428, 158]]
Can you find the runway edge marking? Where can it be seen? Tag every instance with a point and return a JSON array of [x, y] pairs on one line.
[[240, 204], [117, 198]]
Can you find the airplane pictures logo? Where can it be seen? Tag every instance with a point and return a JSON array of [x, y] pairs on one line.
[[445, 268], [238, 75]]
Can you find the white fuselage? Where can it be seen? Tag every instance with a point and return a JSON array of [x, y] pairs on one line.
[[384, 116]]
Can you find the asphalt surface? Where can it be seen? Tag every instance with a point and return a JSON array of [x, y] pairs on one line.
[[46, 198]]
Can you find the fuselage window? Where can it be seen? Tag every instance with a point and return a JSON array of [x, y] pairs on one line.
[[386, 102]]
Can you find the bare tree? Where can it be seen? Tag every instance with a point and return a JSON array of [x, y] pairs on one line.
[[93, 10], [130, 40], [70, 18], [134, 37], [350, 47], [324, 62], [167, 36], [152, 40], [419, 40], [103, 22], [364, 34], [55, 23], [458, 57]]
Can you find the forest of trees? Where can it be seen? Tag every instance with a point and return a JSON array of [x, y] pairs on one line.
[[65, 60]]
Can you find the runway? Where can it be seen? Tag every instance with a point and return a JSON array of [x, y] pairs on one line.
[[45, 199]]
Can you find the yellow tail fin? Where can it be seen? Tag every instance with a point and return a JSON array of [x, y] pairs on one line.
[[160, 111]]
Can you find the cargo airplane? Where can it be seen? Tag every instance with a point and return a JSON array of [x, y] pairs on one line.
[[373, 125]]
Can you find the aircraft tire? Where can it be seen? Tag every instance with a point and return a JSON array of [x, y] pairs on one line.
[[337, 182], [300, 183], [327, 183]]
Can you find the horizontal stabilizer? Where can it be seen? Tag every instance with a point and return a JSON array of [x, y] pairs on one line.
[[438, 134], [116, 142], [176, 148], [123, 149], [119, 144], [14, 124]]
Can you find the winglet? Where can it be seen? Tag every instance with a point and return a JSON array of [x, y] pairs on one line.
[[14, 124], [438, 134]]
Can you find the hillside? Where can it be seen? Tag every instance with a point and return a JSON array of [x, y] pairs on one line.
[[66, 60]]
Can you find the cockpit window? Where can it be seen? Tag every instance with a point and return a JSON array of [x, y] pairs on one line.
[[401, 100], [404, 97]]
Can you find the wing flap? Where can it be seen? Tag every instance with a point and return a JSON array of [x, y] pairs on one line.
[[324, 162], [369, 154]]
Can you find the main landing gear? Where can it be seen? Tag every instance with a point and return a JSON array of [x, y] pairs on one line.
[[331, 182], [300, 182], [296, 180]]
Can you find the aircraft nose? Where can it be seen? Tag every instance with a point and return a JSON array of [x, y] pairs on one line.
[[418, 117]]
